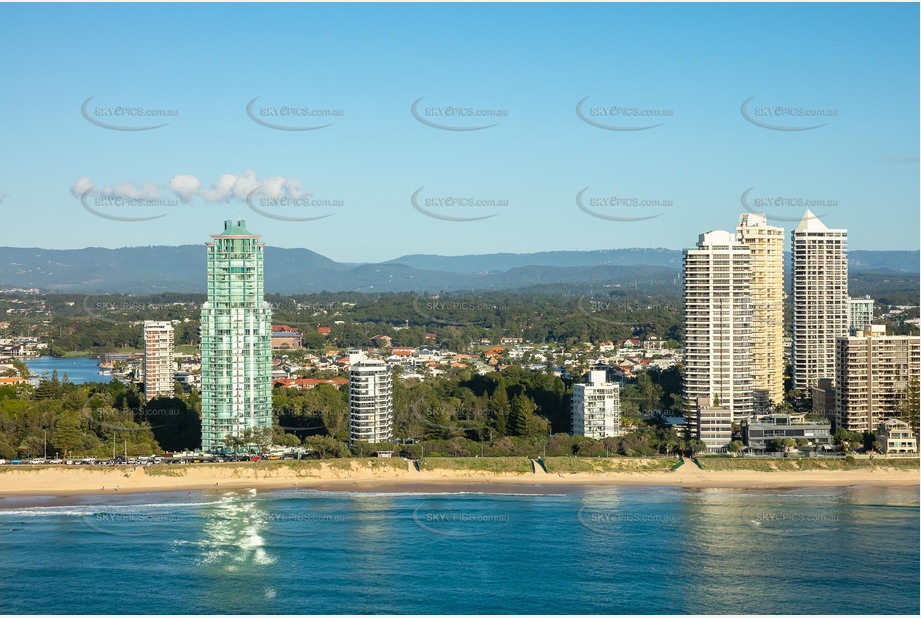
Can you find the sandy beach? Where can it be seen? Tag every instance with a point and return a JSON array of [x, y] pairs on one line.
[[398, 475]]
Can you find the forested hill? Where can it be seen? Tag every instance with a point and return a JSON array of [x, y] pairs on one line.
[[146, 270]]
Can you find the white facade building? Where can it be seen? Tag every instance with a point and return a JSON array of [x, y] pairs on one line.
[[718, 336], [820, 300], [370, 402], [158, 359], [714, 425], [596, 407]]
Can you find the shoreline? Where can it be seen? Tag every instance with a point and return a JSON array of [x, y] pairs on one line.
[[399, 476]]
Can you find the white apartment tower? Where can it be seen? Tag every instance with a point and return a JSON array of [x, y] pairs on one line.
[[717, 315], [820, 300], [766, 245], [158, 359], [596, 406], [370, 402]]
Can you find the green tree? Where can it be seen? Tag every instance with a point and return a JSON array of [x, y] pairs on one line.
[[522, 411], [910, 404], [67, 434]]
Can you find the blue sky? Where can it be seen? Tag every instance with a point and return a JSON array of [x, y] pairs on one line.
[[692, 65]]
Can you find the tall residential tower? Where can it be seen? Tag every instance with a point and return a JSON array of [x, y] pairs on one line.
[[370, 401], [596, 406], [236, 339], [766, 245], [820, 300], [717, 315], [158, 359]]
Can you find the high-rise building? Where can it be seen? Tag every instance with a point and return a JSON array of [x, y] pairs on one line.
[[820, 300], [717, 317], [236, 339], [766, 245], [158, 359], [370, 401], [596, 406], [872, 371], [860, 313]]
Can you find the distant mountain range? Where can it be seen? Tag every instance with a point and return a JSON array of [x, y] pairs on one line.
[[146, 270]]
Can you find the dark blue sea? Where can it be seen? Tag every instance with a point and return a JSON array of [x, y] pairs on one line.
[[542, 550]]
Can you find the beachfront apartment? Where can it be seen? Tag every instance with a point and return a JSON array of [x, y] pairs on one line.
[[759, 432], [767, 304], [236, 339], [820, 299], [718, 329], [713, 425], [895, 437], [370, 401], [872, 371], [596, 406]]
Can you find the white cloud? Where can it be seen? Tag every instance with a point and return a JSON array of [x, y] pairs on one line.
[[130, 190], [227, 188], [81, 186], [185, 186], [234, 188]]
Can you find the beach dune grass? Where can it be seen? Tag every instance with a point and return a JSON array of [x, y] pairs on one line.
[[795, 464]]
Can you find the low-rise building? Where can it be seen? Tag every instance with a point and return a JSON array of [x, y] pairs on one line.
[[714, 425], [759, 432], [285, 337], [895, 436]]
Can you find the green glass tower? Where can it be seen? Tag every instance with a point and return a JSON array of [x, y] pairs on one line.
[[236, 339]]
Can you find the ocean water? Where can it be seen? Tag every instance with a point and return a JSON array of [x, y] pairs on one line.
[[532, 550]]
